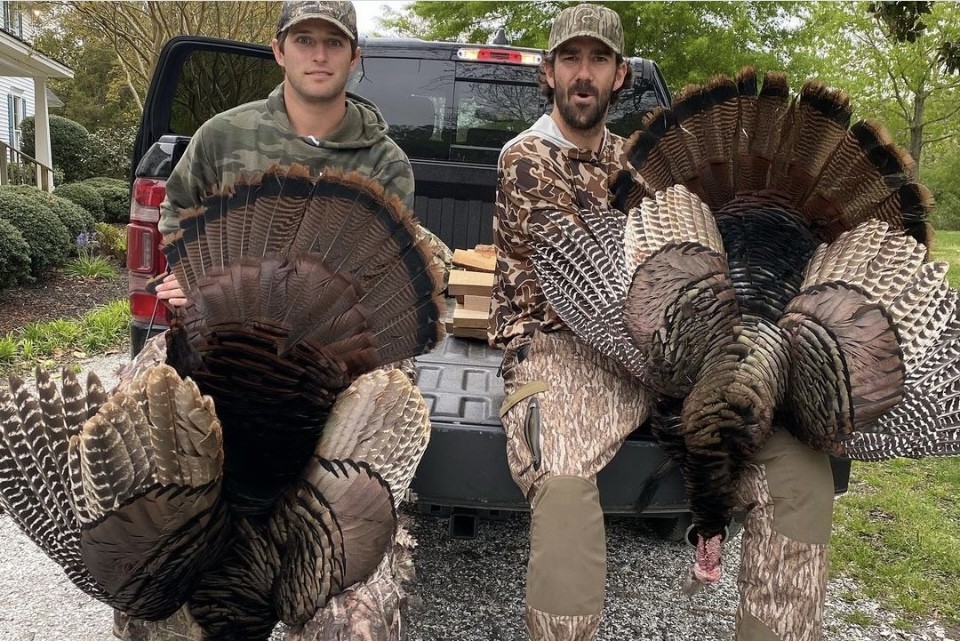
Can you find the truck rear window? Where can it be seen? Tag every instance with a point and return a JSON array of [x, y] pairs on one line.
[[214, 81], [447, 110]]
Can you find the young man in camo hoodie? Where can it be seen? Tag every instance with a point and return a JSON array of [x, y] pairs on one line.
[[568, 408], [309, 119]]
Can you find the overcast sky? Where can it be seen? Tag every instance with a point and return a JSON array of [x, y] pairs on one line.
[[369, 10]]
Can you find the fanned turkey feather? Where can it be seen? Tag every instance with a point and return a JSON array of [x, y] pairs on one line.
[[247, 468], [770, 270]]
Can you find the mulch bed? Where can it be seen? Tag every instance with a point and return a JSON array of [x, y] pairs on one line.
[[59, 297]]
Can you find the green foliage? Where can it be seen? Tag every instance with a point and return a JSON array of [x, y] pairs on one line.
[[76, 219], [86, 196], [111, 151], [946, 247], [14, 255], [895, 532], [691, 41], [98, 330], [45, 234], [90, 267], [116, 198], [113, 242], [69, 142]]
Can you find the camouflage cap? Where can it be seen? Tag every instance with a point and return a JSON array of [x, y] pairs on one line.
[[587, 20], [340, 14]]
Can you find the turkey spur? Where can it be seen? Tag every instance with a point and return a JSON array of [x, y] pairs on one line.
[[247, 465], [771, 272]]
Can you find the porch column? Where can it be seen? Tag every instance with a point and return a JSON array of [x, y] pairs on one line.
[[42, 142]]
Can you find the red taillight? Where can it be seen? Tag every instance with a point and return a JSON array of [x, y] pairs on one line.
[[499, 55], [147, 309], [148, 194]]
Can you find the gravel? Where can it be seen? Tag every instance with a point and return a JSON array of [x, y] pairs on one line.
[[471, 589]]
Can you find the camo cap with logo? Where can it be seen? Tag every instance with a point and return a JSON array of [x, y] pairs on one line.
[[340, 14], [587, 20]]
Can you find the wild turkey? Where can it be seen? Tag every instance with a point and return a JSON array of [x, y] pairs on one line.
[[772, 271], [255, 474]]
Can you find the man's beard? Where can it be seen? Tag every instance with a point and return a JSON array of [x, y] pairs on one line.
[[587, 118]]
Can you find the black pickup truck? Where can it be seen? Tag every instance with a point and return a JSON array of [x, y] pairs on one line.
[[451, 107]]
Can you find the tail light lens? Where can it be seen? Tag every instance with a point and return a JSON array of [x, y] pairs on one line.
[[144, 259]]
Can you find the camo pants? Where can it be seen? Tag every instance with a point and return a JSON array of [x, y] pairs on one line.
[[566, 413], [585, 406]]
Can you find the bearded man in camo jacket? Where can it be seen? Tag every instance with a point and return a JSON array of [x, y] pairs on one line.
[[309, 119], [568, 408]]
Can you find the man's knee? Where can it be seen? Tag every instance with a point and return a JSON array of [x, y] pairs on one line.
[[800, 482], [568, 564]]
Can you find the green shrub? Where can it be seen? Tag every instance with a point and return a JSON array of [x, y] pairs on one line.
[[45, 234], [86, 196], [14, 255], [76, 219], [90, 267], [116, 198], [946, 216], [113, 241], [111, 152], [69, 144]]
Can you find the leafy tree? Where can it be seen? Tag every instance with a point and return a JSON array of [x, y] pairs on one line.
[[906, 83], [691, 41], [68, 144], [114, 46]]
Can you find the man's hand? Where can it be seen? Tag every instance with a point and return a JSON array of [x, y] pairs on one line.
[[169, 290]]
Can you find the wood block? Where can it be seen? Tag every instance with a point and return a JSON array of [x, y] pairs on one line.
[[471, 333], [470, 282], [476, 302], [466, 318], [473, 260]]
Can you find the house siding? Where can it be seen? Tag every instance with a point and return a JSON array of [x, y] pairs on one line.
[[15, 85]]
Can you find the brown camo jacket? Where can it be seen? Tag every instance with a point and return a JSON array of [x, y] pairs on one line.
[[537, 174]]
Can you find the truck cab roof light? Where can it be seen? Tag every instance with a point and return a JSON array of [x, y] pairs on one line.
[[483, 54]]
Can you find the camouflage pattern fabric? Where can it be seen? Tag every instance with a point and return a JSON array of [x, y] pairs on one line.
[[338, 12], [592, 404], [252, 137], [538, 174], [783, 565], [591, 20]]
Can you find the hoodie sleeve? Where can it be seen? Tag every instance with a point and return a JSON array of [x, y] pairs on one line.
[[189, 181]]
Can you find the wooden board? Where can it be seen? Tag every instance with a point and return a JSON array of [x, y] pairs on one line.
[[476, 302], [470, 282], [471, 333], [466, 318], [473, 260]]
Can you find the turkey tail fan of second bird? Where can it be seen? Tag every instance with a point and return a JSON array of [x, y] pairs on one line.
[[297, 285], [727, 139]]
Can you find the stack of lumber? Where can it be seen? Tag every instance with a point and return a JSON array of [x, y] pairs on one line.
[[471, 283]]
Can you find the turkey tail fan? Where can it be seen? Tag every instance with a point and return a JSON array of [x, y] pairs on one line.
[[382, 421], [35, 486], [146, 472], [362, 236], [801, 151]]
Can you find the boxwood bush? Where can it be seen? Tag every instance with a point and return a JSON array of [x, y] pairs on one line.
[[14, 255], [116, 198], [76, 219], [48, 239], [86, 196], [69, 145]]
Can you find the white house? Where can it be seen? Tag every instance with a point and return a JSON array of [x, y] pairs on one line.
[[23, 89]]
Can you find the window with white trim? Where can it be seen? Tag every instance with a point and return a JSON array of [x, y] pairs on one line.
[[16, 110]]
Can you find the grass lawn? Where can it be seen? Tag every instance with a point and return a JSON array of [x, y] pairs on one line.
[[898, 529]]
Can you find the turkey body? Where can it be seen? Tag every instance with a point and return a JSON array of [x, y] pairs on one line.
[[248, 464], [765, 267]]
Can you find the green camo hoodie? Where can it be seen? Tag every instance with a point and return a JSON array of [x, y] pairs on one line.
[[252, 137]]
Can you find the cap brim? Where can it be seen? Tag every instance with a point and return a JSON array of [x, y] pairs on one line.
[[587, 34], [320, 16]]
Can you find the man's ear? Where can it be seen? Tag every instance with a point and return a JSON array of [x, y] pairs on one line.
[[277, 51], [548, 74], [621, 75], [356, 59]]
